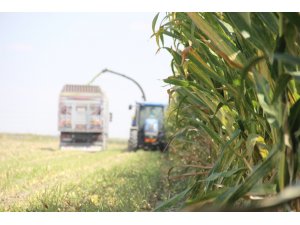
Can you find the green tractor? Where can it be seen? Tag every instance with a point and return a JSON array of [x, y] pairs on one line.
[[147, 128]]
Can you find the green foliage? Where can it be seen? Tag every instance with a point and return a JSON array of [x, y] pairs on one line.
[[235, 82]]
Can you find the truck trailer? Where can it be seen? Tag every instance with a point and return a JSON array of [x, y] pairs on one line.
[[83, 117]]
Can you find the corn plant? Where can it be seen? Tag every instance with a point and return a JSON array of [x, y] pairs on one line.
[[236, 81]]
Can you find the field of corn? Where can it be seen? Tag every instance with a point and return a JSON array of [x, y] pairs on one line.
[[233, 126], [234, 117], [36, 176]]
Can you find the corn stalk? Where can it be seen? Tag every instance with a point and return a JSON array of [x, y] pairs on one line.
[[236, 79]]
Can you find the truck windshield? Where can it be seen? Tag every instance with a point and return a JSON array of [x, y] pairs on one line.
[[156, 112]]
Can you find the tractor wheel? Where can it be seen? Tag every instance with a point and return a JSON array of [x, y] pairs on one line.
[[132, 144], [163, 147]]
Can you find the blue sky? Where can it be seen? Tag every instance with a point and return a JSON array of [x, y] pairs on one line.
[[40, 52]]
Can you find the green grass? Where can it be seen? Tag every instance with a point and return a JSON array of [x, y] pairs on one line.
[[37, 176]]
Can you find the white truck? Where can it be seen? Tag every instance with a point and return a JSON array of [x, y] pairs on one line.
[[83, 117]]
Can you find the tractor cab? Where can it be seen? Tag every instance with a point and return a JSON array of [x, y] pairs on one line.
[[147, 128]]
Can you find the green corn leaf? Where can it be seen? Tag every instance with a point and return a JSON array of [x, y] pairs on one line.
[[206, 69], [281, 86], [206, 196], [294, 124], [246, 17], [177, 82], [251, 33], [293, 17], [252, 179], [215, 176], [251, 141], [216, 37], [176, 55], [289, 59], [208, 130], [172, 201], [250, 65], [154, 22], [201, 75], [295, 75], [270, 20]]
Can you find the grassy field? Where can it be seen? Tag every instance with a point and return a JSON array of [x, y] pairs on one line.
[[36, 176]]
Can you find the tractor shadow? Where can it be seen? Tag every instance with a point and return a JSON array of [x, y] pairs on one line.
[[48, 149]]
